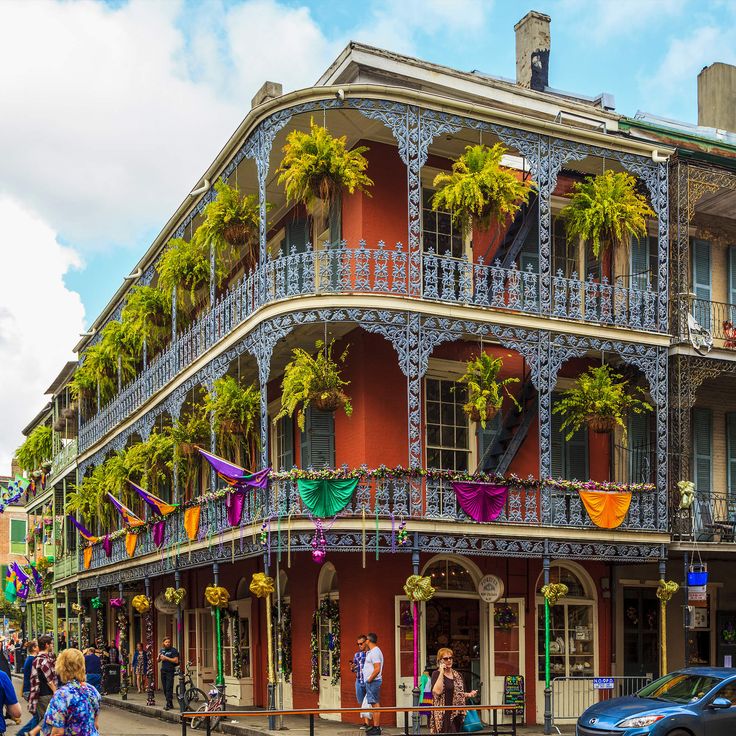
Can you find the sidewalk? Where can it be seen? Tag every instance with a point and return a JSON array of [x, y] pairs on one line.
[[256, 726]]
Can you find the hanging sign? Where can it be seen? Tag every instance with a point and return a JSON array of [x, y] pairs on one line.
[[490, 588], [698, 596], [163, 606]]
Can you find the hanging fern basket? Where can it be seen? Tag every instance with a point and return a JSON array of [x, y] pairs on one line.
[[329, 400], [237, 233], [601, 425], [187, 449], [474, 413]]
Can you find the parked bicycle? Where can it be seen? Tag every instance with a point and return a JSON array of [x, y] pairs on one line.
[[192, 694], [216, 701]]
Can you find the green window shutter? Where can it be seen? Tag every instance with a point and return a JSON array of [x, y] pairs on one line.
[[639, 445], [731, 452], [702, 281], [318, 439], [336, 221], [702, 449], [576, 455], [639, 267], [18, 536], [557, 444], [732, 277], [487, 436], [285, 460], [297, 234]]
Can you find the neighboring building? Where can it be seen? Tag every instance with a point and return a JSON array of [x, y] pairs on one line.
[[13, 530], [413, 299]]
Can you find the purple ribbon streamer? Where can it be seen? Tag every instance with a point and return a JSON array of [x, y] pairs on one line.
[[107, 545], [480, 501], [159, 532], [234, 504]]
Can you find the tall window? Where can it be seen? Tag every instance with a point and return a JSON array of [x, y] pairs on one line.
[[447, 438], [285, 444], [564, 251], [318, 439], [569, 457], [17, 536], [438, 231]]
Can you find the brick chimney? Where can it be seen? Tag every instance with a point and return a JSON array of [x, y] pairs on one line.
[[532, 51], [717, 97], [268, 91]]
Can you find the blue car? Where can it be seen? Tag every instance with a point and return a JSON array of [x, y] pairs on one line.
[[699, 701]]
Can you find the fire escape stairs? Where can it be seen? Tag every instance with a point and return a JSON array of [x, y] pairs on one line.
[[517, 233], [514, 428]]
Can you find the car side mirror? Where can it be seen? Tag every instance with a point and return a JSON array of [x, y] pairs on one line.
[[720, 704]]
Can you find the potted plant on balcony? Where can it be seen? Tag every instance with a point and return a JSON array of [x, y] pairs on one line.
[[185, 265], [236, 410], [318, 166], [607, 209], [232, 224], [485, 391], [188, 433], [36, 449], [147, 315], [479, 189], [314, 380], [600, 399]]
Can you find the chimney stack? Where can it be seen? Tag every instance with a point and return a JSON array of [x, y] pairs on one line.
[[532, 51], [268, 91], [717, 97]]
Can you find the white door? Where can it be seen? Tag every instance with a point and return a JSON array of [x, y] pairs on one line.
[[329, 693], [199, 633], [404, 656], [239, 689], [285, 698], [507, 648]]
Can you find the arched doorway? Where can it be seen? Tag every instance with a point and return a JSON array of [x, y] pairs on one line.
[[573, 638], [327, 662]]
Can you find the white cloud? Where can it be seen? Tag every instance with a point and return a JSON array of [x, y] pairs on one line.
[[40, 319]]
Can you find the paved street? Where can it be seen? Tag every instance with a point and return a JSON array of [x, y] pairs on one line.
[[116, 722]]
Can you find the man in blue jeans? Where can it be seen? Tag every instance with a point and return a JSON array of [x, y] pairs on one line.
[[356, 666], [373, 675], [32, 650]]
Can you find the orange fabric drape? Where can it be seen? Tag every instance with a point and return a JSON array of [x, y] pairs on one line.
[[606, 510], [87, 557], [191, 522], [131, 540]]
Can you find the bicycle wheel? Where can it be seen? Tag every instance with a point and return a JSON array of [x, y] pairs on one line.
[[199, 722], [220, 705], [195, 695]]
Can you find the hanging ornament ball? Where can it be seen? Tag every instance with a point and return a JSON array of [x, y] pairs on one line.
[[403, 535], [319, 554]]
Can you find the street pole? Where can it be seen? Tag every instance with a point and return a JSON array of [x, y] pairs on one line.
[[179, 641], [269, 649], [148, 623], [416, 718], [663, 621], [547, 682], [122, 621], [686, 613], [220, 681]]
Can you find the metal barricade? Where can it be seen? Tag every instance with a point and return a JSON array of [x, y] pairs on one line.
[[572, 695]]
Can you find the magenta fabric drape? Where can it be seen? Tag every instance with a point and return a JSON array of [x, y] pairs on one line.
[[159, 532], [480, 501], [107, 545], [234, 504]]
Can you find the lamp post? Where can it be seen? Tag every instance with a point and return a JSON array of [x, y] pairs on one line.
[[22, 620], [547, 683], [220, 681], [179, 642], [415, 694]]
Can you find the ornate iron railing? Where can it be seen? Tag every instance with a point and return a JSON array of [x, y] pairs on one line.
[[340, 269], [394, 498], [719, 319], [64, 458], [710, 518]]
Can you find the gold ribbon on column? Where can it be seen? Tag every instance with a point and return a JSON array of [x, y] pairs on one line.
[[665, 591], [419, 588], [262, 586]]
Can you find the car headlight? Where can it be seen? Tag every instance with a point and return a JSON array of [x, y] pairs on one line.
[[640, 721]]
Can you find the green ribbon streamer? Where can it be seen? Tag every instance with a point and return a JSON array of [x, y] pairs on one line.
[[326, 498]]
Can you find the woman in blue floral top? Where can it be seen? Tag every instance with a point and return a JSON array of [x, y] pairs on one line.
[[74, 707]]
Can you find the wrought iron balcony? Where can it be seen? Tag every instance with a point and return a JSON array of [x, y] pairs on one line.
[[63, 459], [710, 518], [719, 319], [422, 499], [342, 269]]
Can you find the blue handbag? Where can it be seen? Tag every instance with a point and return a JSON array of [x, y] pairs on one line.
[[472, 722]]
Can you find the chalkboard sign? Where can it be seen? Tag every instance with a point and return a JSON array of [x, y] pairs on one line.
[[513, 694]]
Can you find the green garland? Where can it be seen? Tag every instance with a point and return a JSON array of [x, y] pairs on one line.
[[329, 610]]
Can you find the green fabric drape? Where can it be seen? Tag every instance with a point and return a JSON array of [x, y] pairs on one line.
[[325, 498]]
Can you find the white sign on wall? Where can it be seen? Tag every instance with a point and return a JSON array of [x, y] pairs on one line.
[[490, 588]]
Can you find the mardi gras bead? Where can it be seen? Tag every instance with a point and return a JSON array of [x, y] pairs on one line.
[[419, 588], [403, 536], [175, 595], [141, 603], [319, 543], [216, 596], [261, 585], [264, 533]]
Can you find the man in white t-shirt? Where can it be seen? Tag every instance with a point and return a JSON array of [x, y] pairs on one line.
[[373, 675]]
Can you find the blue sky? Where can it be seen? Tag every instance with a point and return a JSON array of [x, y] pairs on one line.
[[121, 106]]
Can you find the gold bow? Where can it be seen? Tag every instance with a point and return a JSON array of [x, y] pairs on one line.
[[77, 608], [554, 591], [261, 585], [216, 596], [175, 595], [666, 589], [419, 588], [141, 603]]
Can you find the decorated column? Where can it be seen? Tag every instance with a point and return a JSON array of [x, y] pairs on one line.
[[262, 586], [665, 591], [120, 605], [142, 604], [218, 598], [99, 619]]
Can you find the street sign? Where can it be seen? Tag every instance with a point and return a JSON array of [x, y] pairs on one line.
[[603, 683], [490, 588]]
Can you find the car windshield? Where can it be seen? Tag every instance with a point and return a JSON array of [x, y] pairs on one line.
[[679, 687]]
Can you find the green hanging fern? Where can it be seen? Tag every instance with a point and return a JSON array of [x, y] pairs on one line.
[[147, 314], [485, 391], [606, 209], [36, 450], [317, 380], [479, 189], [600, 395], [316, 165], [187, 434], [185, 264]]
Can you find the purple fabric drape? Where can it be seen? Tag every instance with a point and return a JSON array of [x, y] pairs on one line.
[[107, 545], [234, 475], [480, 501], [159, 532], [234, 504]]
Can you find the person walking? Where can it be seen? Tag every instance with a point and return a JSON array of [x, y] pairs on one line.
[[75, 705], [448, 690], [373, 676], [356, 666], [31, 648], [4, 661], [93, 668], [43, 678], [8, 702], [140, 667], [169, 658]]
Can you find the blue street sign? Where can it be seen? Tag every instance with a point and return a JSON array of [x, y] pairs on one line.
[[603, 683]]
